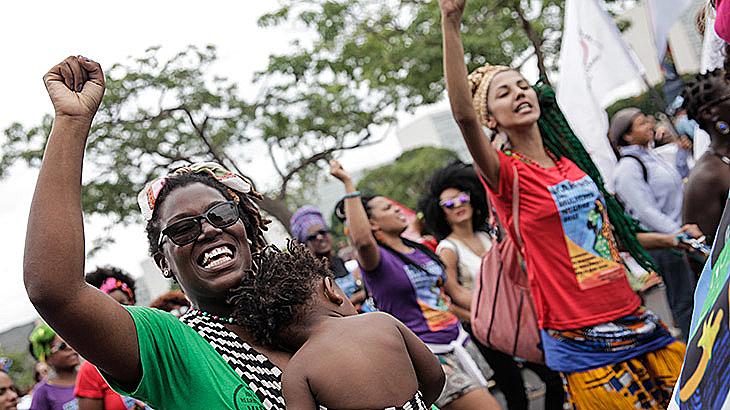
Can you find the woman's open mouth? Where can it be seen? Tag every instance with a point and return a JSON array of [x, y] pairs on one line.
[[215, 256]]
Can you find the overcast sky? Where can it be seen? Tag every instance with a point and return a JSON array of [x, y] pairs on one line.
[[39, 34]]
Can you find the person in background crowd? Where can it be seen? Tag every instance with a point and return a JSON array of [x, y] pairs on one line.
[[56, 392], [92, 392], [651, 191], [707, 101], [173, 301], [587, 311], [40, 372], [310, 229], [456, 209], [8, 395], [406, 280]]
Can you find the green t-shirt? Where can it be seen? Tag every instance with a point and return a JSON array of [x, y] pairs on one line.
[[180, 370]]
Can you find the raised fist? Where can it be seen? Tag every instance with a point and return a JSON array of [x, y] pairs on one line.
[[76, 87]]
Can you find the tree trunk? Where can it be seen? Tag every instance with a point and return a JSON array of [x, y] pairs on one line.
[[277, 209], [534, 39]]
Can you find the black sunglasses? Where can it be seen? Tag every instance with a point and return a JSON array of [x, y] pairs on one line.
[[186, 230], [60, 346], [314, 235]]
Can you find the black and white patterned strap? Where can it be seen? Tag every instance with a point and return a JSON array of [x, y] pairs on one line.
[[255, 369]]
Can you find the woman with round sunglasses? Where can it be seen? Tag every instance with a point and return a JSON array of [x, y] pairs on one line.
[[201, 227], [406, 280], [455, 209], [55, 392]]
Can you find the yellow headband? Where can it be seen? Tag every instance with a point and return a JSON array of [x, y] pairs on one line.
[[479, 80]]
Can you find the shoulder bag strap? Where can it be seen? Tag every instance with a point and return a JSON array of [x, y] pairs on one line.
[[516, 207]]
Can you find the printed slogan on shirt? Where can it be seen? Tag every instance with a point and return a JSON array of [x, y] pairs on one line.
[[591, 246]]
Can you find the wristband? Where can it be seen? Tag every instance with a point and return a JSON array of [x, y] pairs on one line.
[[352, 195]]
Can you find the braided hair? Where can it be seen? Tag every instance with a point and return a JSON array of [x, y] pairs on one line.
[[365, 200], [460, 176], [559, 139], [703, 88], [254, 223]]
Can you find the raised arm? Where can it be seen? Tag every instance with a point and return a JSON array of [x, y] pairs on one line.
[[53, 265], [368, 253], [457, 86]]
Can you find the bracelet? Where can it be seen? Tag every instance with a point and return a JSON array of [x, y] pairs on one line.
[[352, 195]]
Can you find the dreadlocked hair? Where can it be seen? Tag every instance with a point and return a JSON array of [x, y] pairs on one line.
[[254, 223], [457, 175], [703, 88], [560, 140], [279, 294], [97, 277], [365, 200]]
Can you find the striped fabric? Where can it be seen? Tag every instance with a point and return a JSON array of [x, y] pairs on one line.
[[254, 368]]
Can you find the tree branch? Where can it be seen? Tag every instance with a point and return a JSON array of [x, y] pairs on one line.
[[534, 39]]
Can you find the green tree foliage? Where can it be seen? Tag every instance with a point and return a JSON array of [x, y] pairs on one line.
[[22, 369], [162, 113], [404, 179], [360, 62], [388, 52]]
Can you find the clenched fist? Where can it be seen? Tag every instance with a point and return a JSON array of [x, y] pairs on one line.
[[76, 87]]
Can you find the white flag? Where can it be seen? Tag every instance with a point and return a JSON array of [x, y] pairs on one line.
[[595, 68], [663, 14]]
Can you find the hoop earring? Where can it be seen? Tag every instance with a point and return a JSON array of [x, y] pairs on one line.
[[166, 273], [722, 127]]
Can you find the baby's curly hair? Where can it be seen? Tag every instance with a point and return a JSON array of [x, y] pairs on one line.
[[276, 296]]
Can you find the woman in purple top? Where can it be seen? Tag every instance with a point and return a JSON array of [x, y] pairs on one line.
[[56, 392], [406, 280]]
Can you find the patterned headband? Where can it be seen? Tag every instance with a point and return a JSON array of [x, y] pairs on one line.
[[479, 80], [148, 196], [111, 284]]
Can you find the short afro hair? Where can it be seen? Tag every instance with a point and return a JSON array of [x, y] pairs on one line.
[[460, 176], [97, 277], [702, 89], [275, 298]]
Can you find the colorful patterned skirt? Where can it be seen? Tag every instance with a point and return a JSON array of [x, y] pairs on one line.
[[629, 363], [643, 382]]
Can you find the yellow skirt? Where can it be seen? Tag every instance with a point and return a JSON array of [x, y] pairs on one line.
[[644, 382]]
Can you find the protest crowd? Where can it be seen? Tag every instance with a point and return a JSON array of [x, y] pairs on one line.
[[609, 287]]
